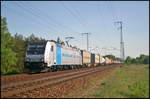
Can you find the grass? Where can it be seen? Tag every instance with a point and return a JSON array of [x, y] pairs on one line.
[[11, 72], [130, 81]]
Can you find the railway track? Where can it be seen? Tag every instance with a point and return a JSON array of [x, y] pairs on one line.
[[5, 80], [26, 86]]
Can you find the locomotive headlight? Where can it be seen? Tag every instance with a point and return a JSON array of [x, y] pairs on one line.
[[42, 59], [28, 59]]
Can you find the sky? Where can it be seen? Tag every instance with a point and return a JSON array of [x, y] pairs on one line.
[[52, 19]]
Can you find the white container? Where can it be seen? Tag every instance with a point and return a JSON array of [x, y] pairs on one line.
[[86, 57]]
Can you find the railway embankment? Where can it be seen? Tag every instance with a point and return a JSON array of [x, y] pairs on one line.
[[53, 84]]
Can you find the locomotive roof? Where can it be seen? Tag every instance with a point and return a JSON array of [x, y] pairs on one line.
[[62, 45], [37, 42]]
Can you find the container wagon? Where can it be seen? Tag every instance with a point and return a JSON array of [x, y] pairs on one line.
[[86, 58]]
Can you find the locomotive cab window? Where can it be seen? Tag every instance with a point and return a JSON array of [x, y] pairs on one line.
[[52, 48]]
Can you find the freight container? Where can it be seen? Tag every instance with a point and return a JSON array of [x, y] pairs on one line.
[[86, 57], [97, 58]]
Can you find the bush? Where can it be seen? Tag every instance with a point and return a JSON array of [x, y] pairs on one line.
[[11, 71]]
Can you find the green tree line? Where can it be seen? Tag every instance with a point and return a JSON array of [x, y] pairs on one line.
[[142, 59], [13, 49]]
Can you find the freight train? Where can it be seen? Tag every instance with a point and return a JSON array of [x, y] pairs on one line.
[[49, 55]]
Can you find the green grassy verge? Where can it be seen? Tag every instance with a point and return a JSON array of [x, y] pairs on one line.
[[130, 81], [11, 72]]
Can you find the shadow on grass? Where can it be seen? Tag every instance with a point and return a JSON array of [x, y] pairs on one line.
[[11, 73], [103, 83]]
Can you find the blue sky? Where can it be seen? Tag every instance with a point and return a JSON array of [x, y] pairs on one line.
[[50, 19]]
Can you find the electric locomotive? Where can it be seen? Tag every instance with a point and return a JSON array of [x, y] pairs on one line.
[[51, 56]]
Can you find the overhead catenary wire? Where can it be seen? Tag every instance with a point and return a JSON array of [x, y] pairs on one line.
[[100, 13], [50, 18], [113, 12], [83, 20], [39, 21], [116, 18], [33, 11], [42, 17], [76, 17], [56, 22], [36, 15], [33, 23]]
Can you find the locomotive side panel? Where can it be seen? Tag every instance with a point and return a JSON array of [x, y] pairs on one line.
[[58, 55], [71, 56]]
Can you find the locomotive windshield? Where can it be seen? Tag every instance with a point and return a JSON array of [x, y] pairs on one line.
[[35, 48]]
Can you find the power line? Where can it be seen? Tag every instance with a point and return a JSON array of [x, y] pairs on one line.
[[34, 14], [100, 13], [39, 21], [79, 16], [50, 18], [45, 16], [32, 23], [73, 14], [33, 11], [112, 12], [55, 22]]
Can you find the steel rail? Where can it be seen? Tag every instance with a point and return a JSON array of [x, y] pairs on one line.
[[14, 89]]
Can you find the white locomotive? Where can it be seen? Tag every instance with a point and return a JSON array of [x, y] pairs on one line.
[[51, 56]]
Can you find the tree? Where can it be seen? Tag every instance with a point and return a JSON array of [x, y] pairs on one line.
[[118, 59], [8, 56], [146, 60], [138, 60], [143, 59], [133, 61], [128, 60], [33, 38], [111, 57], [20, 49]]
